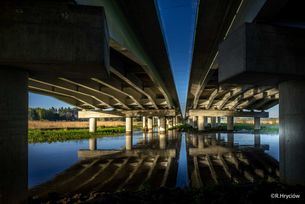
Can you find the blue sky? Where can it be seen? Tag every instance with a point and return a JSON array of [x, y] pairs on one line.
[[178, 22]]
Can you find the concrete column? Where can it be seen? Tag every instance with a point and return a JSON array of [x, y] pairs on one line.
[[159, 123], [144, 138], [213, 139], [128, 139], [195, 121], [92, 144], [13, 135], [292, 124], [195, 140], [144, 124], [257, 124], [213, 122], [174, 121], [128, 124], [169, 122], [162, 141], [257, 140], [162, 125], [230, 139], [150, 124], [218, 121], [150, 137], [190, 122], [200, 141], [230, 123], [92, 124], [200, 123], [205, 122]]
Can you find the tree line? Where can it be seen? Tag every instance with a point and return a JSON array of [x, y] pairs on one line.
[[53, 114]]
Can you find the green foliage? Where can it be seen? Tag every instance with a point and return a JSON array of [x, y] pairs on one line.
[[60, 135], [52, 114]]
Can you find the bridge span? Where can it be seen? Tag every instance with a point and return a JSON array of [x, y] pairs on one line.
[[108, 58], [247, 58]]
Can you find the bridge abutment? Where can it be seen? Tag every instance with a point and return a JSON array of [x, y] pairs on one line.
[[13, 135]]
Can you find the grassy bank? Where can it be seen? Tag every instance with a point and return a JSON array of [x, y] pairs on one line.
[[59, 135], [238, 127]]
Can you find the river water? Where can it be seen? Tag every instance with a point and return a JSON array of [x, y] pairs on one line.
[[46, 160]]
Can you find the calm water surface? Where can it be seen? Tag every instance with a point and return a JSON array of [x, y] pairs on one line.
[[47, 160]]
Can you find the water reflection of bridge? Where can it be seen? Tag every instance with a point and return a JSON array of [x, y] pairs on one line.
[[152, 163]]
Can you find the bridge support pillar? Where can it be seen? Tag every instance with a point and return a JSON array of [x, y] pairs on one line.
[[13, 135], [230, 123], [205, 122], [92, 124], [195, 121], [128, 124], [92, 144], [169, 122], [144, 127], [150, 124], [257, 124], [162, 129], [213, 122], [218, 121], [292, 140], [200, 141], [200, 123]]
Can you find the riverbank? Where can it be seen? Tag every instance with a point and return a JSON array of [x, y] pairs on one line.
[[238, 127], [60, 135], [44, 124]]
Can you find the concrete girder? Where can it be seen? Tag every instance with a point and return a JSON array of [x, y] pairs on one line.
[[72, 90], [222, 113], [97, 90], [211, 98], [115, 87], [124, 40], [265, 100], [134, 84], [51, 93], [99, 114], [150, 113]]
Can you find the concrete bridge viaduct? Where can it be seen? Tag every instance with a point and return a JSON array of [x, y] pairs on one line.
[[108, 58], [248, 57]]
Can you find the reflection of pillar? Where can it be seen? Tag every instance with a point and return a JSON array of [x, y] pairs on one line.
[[213, 139], [92, 144], [150, 124], [13, 135], [128, 125], [230, 123], [170, 134], [292, 124], [200, 123], [150, 137], [195, 140], [144, 137], [92, 124], [128, 138], [257, 124], [144, 123], [162, 141], [257, 140], [162, 125], [195, 121], [200, 142], [218, 136], [213, 122], [230, 139]]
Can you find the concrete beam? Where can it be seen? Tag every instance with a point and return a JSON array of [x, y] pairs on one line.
[[256, 55], [150, 113], [43, 39], [99, 114], [216, 113]]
